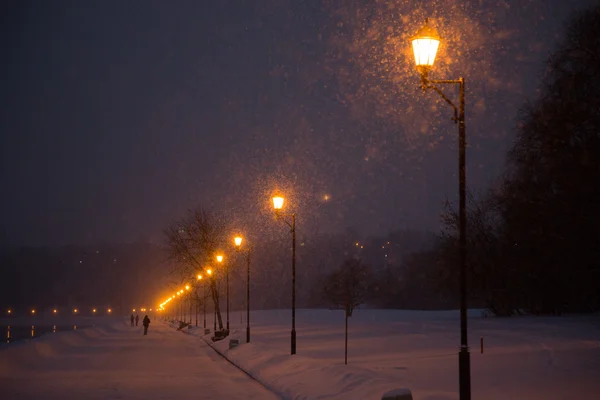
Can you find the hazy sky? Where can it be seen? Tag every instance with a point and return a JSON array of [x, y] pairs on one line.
[[116, 117]]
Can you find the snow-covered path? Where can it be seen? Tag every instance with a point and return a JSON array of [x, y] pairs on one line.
[[118, 362]]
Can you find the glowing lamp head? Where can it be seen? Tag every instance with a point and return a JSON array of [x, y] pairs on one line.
[[425, 45], [133, 310], [94, 310], [219, 258], [33, 311], [9, 311], [75, 310], [278, 203], [54, 311], [109, 310], [187, 287], [238, 241], [199, 276], [209, 271]]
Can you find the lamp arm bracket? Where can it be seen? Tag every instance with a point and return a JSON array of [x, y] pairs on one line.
[[429, 86], [286, 222]]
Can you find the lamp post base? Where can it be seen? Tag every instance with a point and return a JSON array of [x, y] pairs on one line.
[[293, 341], [464, 373]]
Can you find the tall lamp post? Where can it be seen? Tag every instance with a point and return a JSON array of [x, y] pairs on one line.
[[238, 243], [199, 277], [187, 287], [278, 206], [220, 261], [425, 45]]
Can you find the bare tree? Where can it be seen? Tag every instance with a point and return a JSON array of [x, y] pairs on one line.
[[347, 286], [193, 243]]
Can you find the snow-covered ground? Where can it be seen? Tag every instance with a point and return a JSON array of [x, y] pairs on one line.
[[551, 358], [115, 361]]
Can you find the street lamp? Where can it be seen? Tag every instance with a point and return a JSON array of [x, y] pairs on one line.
[[425, 45], [238, 243], [220, 261], [278, 206], [199, 277], [187, 287], [209, 272]]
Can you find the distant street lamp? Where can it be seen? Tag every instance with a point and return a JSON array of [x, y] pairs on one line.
[[278, 206], [209, 272], [238, 243], [199, 277], [425, 45], [187, 287], [220, 261]]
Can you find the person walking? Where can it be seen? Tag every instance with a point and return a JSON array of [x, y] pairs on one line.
[[146, 323], [131, 319], [137, 318]]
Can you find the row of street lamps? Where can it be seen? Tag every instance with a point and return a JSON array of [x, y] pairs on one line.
[[425, 46], [56, 311], [278, 202]]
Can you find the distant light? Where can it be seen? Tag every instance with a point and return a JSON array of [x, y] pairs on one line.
[[94, 310], [187, 287], [9, 311], [109, 310], [362, 247], [199, 277], [33, 311], [80, 262], [75, 310], [54, 311], [133, 310], [150, 309], [326, 197], [219, 258], [238, 241], [209, 271]]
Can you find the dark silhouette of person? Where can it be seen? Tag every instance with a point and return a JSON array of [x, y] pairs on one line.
[[131, 319], [137, 318], [146, 323]]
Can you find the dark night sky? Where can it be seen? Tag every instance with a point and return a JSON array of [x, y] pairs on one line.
[[117, 117]]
